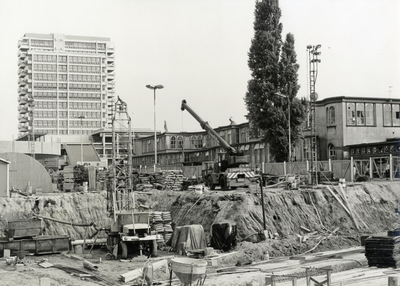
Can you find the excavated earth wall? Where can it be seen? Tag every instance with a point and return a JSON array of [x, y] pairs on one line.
[[373, 208], [374, 205]]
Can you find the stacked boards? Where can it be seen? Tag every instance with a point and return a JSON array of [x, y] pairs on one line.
[[383, 251], [161, 224]]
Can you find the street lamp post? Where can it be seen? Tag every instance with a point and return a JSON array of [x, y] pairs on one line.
[[290, 139], [159, 86], [81, 117]]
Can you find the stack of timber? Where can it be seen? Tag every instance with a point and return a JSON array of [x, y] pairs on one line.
[[69, 181], [167, 225], [161, 224], [383, 251], [172, 180]]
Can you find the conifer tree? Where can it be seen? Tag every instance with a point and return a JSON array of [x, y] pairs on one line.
[[274, 69]]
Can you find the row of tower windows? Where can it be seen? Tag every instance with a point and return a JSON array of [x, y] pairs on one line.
[[64, 77], [42, 43], [63, 86], [63, 131], [78, 95], [63, 68], [72, 105], [65, 123], [64, 114], [80, 45], [72, 59]]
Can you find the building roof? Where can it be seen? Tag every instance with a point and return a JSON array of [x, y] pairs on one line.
[[336, 99], [89, 153], [67, 37]]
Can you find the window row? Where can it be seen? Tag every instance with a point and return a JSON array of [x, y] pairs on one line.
[[85, 123], [65, 123], [45, 67], [85, 105], [83, 86], [64, 105], [45, 113], [391, 114], [46, 105], [176, 142], [42, 43], [45, 58], [196, 141], [80, 45], [85, 60], [84, 78], [64, 114], [45, 85], [64, 86], [45, 94], [63, 131], [85, 96], [363, 114], [87, 114], [53, 95], [83, 69], [360, 114], [45, 76]]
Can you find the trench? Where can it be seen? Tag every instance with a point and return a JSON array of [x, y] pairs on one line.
[[287, 212]]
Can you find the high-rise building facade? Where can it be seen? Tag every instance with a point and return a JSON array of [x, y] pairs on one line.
[[66, 84]]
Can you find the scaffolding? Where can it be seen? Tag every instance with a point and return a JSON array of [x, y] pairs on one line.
[[120, 195], [313, 55]]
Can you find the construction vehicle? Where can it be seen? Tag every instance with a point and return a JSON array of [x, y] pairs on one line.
[[130, 229], [232, 169]]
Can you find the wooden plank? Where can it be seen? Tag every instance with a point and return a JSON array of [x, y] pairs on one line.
[[344, 207], [44, 281], [223, 255], [131, 275], [350, 208]]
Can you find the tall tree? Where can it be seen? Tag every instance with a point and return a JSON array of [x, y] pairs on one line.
[[274, 69]]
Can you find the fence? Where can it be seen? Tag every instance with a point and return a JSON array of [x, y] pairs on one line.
[[379, 167]]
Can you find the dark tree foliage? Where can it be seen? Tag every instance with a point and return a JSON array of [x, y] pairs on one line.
[[274, 69], [81, 174]]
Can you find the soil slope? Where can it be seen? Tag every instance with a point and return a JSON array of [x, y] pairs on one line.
[[373, 206]]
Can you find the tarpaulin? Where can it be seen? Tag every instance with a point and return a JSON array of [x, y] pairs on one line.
[[192, 235], [223, 235]]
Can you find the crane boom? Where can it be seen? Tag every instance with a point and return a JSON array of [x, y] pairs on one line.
[[207, 127]]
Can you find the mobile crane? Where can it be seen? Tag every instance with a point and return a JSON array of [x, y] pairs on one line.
[[232, 169]]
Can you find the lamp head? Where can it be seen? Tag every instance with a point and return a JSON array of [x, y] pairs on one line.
[[159, 86]]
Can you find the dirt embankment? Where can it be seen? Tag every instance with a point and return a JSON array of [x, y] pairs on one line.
[[373, 207]]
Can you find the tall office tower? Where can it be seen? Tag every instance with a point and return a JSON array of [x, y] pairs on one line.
[[66, 84]]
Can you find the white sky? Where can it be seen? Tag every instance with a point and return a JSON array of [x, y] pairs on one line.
[[198, 49]]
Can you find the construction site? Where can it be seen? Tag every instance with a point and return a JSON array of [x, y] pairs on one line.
[[230, 226]]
